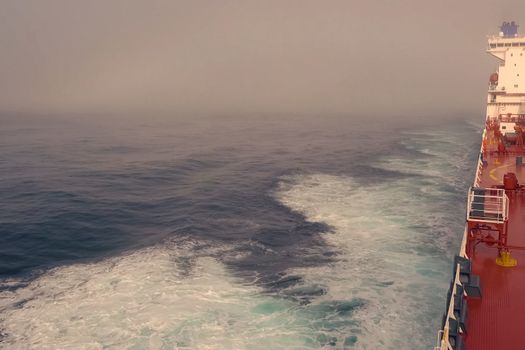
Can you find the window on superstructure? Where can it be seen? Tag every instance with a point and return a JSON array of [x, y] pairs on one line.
[[515, 85], [507, 44], [515, 44], [500, 45]]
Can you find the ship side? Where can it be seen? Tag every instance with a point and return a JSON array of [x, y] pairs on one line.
[[485, 306]]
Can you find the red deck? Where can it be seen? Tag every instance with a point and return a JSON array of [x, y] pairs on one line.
[[497, 321]]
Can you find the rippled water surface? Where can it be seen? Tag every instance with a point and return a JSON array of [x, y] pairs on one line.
[[228, 233]]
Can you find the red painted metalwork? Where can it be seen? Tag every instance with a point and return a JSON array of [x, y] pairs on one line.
[[519, 129], [510, 182], [497, 321]]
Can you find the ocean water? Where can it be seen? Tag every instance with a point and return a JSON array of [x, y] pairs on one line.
[[229, 232]]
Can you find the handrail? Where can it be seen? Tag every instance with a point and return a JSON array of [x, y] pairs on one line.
[[463, 247], [511, 117], [479, 167], [494, 208], [443, 342], [479, 171]]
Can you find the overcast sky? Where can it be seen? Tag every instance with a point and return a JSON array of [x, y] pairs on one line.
[[219, 56]]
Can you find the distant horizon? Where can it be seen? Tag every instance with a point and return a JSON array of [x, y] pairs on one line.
[[248, 114]]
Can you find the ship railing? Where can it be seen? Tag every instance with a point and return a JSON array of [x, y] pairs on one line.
[[463, 247], [511, 118], [443, 339], [479, 167], [479, 171], [489, 205]]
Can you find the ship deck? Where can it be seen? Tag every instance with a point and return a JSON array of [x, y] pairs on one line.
[[497, 320]]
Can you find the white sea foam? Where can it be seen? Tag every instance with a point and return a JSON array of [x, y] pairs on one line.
[[393, 239], [147, 300], [379, 260]]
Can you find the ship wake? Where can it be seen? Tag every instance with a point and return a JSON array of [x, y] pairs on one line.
[[384, 288]]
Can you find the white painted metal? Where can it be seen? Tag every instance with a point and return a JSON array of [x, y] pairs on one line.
[[479, 171], [507, 128], [442, 342], [495, 205], [508, 95]]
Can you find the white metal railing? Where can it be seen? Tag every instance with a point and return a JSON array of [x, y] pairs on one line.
[[443, 342], [487, 205], [479, 171], [511, 118], [479, 167], [463, 247]]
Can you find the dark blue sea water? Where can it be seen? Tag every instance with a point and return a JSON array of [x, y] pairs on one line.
[[229, 232]]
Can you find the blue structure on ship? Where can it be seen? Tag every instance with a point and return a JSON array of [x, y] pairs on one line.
[[509, 29]]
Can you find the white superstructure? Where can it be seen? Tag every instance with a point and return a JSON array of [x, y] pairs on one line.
[[506, 95]]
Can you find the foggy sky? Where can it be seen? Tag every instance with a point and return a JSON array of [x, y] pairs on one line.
[[219, 56]]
